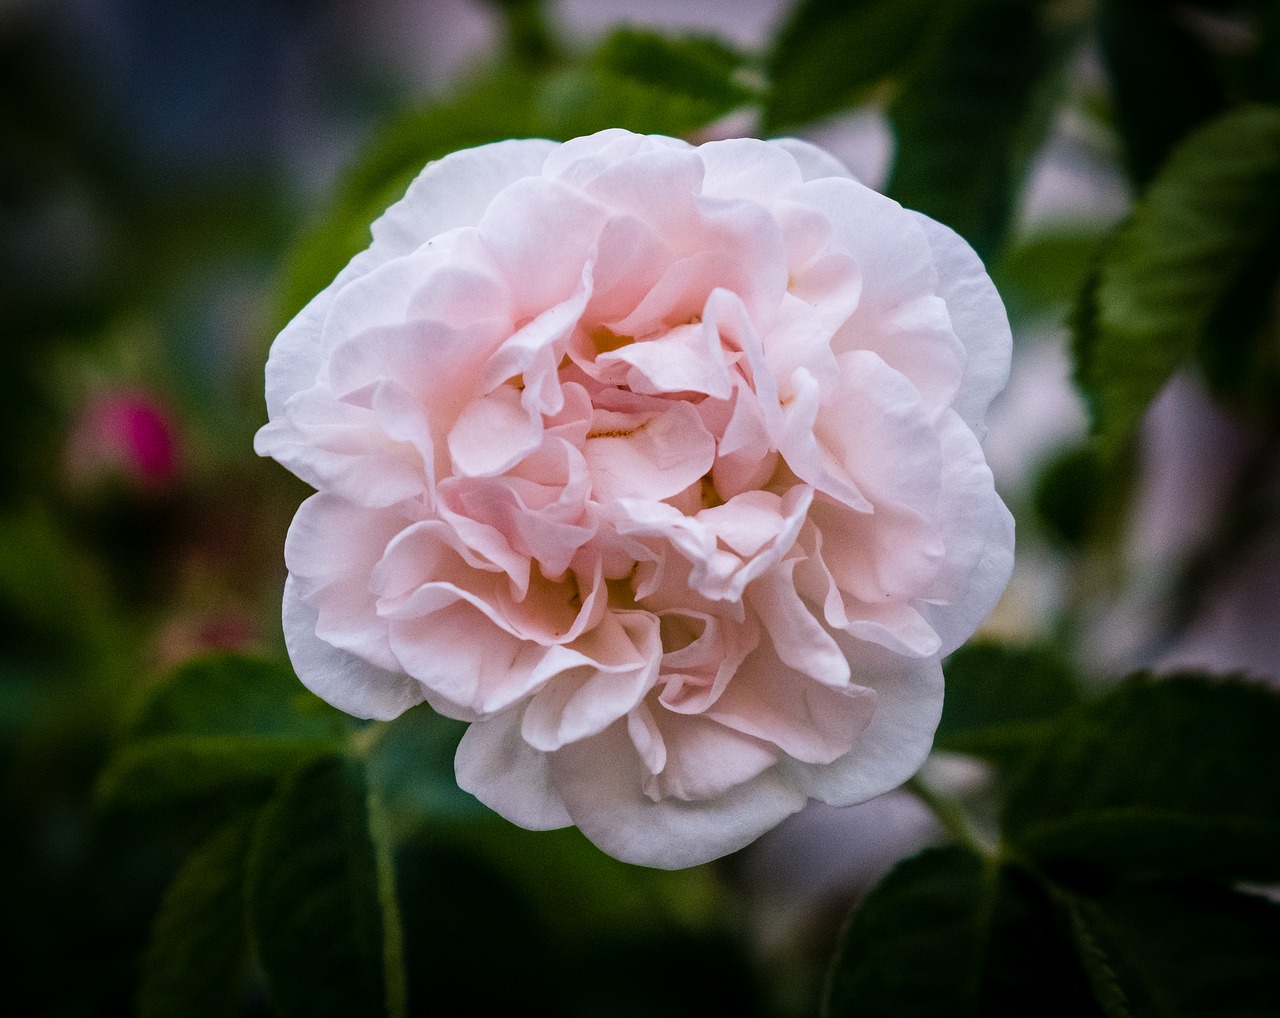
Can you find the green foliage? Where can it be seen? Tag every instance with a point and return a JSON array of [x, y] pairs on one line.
[[198, 952], [411, 766], [171, 770], [974, 112], [1070, 494], [833, 53], [1001, 700], [234, 695], [222, 724], [701, 67], [1126, 827], [1169, 776], [1040, 276], [949, 933], [1163, 79], [1186, 949], [638, 80], [321, 904], [1213, 209]]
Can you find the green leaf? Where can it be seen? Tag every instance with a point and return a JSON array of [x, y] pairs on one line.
[[832, 53], [582, 100], [1169, 776], [1201, 224], [582, 892], [1186, 950], [195, 962], [698, 66], [411, 767], [1070, 494], [1000, 699], [1040, 277], [230, 694], [322, 911], [1163, 80], [170, 770], [970, 118], [947, 933]]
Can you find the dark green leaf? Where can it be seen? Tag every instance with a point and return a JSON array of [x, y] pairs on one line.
[[582, 100], [1201, 223], [698, 66], [411, 767], [1000, 699], [1161, 776], [1041, 276], [970, 118], [195, 963], [168, 770], [228, 694], [1163, 80], [581, 892], [1070, 494], [1186, 950], [831, 53], [459, 915], [321, 900], [949, 934]]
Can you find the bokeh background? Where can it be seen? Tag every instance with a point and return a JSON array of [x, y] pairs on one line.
[[165, 169]]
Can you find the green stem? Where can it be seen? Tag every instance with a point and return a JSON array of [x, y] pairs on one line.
[[955, 821]]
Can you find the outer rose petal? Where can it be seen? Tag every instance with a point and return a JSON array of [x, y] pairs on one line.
[[978, 317], [601, 781], [453, 191], [497, 766], [893, 746], [814, 162], [349, 683]]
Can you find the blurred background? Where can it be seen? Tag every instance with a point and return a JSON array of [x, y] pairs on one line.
[[177, 177]]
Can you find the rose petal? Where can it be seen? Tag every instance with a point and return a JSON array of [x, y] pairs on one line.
[[600, 781], [894, 744], [347, 682], [504, 772]]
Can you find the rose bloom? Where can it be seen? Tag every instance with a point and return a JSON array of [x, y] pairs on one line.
[[660, 466]]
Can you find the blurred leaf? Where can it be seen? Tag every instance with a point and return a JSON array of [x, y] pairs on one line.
[[168, 770], [1070, 493], [460, 914], [1041, 276], [231, 694], [702, 67], [411, 767], [949, 934], [638, 80], [1172, 264], [51, 595], [1163, 80], [975, 111], [1170, 776], [1185, 950], [194, 964], [583, 893], [1000, 700], [831, 53], [322, 912], [1241, 366], [582, 100]]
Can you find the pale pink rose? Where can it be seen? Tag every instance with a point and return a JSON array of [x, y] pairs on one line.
[[660, 465]]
